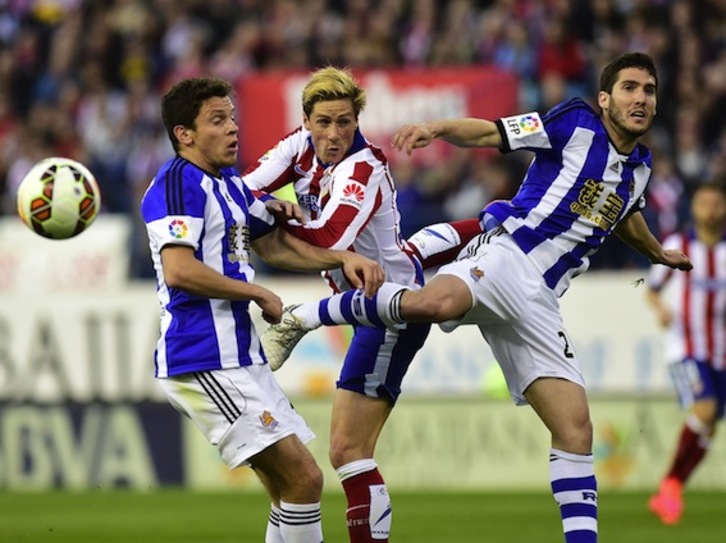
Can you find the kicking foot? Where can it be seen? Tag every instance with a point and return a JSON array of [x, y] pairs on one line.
[[279, 340], [667, 504]]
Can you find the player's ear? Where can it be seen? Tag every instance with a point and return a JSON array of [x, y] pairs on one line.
[[603, 100], [306, 121], [183, 135]]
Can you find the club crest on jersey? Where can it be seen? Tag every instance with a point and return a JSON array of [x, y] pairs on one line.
[[353, 193], [268, 421], [589, 205], [178, 229], [476, 273]]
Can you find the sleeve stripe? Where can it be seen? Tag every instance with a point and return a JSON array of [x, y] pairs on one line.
[[175, 187], [362, 173]]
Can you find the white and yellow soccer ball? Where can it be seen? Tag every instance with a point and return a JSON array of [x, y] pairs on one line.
[[58, 198]]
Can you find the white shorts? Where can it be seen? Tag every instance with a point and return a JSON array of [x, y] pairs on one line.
[[517, 313], [241, 411]]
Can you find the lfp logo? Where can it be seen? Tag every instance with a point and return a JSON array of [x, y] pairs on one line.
[[178, 229], [529, 123]]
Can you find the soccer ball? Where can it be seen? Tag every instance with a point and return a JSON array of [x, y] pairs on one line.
[[58, 198]]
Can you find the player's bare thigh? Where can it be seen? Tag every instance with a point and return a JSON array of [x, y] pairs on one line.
[[289, 471], [562, 406], [355, 425], [445, 297]]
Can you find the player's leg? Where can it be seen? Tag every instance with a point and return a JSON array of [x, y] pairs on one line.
[[245, 414], [444, 298], [702, 390], [368, 387], [519, 317], [562, 406], [288, 467], [272, 532], [355, 425], [440, 243]]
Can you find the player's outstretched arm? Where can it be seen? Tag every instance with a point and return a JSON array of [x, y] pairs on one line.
[[661, 309], [635, 232], [466, 132], [185, 272], [281, 249]]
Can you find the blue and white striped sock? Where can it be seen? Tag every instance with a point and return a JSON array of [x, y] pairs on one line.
[[300, 522], [352, 307], [575, 489]]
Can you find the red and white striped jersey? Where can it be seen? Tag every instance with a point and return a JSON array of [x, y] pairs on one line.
[[697, 299], [348, 205]]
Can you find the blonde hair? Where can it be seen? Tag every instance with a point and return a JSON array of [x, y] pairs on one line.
[[332, 83]]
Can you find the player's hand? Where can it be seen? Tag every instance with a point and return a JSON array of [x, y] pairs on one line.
[[412, 136], [363, 273], [284, 210], [665, 317], [271, 306], [673, 258]]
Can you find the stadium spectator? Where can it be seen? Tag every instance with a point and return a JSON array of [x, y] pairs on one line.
[[692, 312], [45, 47], [202, 223], [586, 182], [346, 191]]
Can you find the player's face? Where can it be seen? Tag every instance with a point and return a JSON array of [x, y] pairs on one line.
[[629, 109], [708, 209], [332, 125], [212, 144]]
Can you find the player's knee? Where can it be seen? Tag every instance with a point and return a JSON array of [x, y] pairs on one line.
[[706, 412], [575, 436], [308, 483], [303, 478], [424, 307], [341, 452], [314, 480]]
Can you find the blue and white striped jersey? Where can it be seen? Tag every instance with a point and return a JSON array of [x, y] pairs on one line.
[[218, 217], [577, 189]]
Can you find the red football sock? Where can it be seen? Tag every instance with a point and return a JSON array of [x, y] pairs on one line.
[[359, 490], [691, 449]]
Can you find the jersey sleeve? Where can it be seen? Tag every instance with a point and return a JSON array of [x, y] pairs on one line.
[[525, 131], [173, 209], [540, 134], [276, 168], [354, 196], [261, 221]]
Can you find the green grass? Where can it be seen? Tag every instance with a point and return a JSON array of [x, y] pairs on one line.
[[423, 517]]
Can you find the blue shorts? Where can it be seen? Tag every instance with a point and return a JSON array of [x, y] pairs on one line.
[[378, 358], [696, 380]]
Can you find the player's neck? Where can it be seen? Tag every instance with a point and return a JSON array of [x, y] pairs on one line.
[[708, 237]]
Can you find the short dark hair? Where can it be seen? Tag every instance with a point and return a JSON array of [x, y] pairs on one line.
[[609, 75], [182, 102], [714, 186]]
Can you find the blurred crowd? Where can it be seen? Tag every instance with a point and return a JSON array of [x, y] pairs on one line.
[[82, 78]]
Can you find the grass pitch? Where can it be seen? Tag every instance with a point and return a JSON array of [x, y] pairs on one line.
[[181, 516]]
